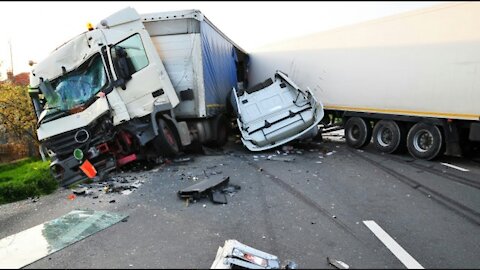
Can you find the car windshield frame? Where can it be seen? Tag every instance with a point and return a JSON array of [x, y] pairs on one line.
[[77, 86]]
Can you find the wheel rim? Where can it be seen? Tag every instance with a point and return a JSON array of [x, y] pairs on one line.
[[385, 137], [355, 132], [423, 140]]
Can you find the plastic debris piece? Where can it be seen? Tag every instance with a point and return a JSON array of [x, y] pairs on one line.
[[218, 197], [80, 191], [337, 264], [71, 197], [234, 255]]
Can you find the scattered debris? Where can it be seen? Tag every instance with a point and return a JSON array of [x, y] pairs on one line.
[[182, 160], [126, 192], [71, 197], [291, 265], [286, 159], [338, 264], [112, 201], [235, 255], [231, 189]]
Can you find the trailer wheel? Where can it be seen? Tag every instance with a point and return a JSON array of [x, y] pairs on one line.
[[166, 142], [388, 136], [424, 141], [358, 132]]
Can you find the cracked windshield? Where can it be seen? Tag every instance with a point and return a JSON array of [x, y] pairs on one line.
[[78, 86], [230, 135]]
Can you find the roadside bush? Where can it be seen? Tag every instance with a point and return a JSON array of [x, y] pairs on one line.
[[25, 178]]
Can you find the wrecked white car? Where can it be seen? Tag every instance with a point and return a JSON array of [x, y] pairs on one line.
[[273, 113]]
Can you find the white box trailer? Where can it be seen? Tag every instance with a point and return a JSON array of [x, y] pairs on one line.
[[411, 79], [203, 63]]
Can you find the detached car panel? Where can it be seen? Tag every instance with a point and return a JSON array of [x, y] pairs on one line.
[[273, 113]]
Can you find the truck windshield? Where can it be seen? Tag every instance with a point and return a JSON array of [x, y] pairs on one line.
[[78, 86]]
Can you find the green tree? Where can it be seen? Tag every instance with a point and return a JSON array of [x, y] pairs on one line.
[[16, 112]]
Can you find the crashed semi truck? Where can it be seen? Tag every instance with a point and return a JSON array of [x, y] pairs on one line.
[[134, 87], [408, 81]]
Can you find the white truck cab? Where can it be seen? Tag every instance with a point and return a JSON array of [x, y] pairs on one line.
[[107, 96]]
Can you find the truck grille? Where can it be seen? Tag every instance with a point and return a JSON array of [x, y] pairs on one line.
[[64, 144]]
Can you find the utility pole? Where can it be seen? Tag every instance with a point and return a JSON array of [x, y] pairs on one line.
[[11, 55]]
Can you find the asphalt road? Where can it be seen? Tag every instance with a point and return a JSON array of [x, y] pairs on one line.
[[303, 210]]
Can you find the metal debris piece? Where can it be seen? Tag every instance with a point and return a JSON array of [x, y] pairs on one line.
[[215, 189], [237, 255], [202, 188], [337, 264]]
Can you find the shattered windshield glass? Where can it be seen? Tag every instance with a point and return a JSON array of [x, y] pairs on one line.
[[78, 86]]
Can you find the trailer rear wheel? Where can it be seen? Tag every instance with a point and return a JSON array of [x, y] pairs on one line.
[[166, 142], [424, 141], [358, 132], [388, 136]]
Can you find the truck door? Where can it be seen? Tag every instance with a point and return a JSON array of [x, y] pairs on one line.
[[141, 77]]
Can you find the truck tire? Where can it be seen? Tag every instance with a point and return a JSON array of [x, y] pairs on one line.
[[166, 142], [424, 141], [220, 126], [388, 136], [358, 132]]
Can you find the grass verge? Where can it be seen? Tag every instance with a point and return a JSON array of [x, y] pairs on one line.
[[25, 178]]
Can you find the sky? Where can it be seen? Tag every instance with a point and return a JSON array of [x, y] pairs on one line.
[[34, 29]]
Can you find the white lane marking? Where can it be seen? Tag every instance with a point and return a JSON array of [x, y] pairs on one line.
[[455, 167], [392, 245]]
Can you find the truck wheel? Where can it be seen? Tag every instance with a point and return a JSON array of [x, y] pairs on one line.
[[424, 141], [388, 136], [220, 126], [358, 132], [166, 142]]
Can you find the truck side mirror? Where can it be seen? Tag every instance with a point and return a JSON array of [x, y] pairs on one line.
[[122, 67]]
